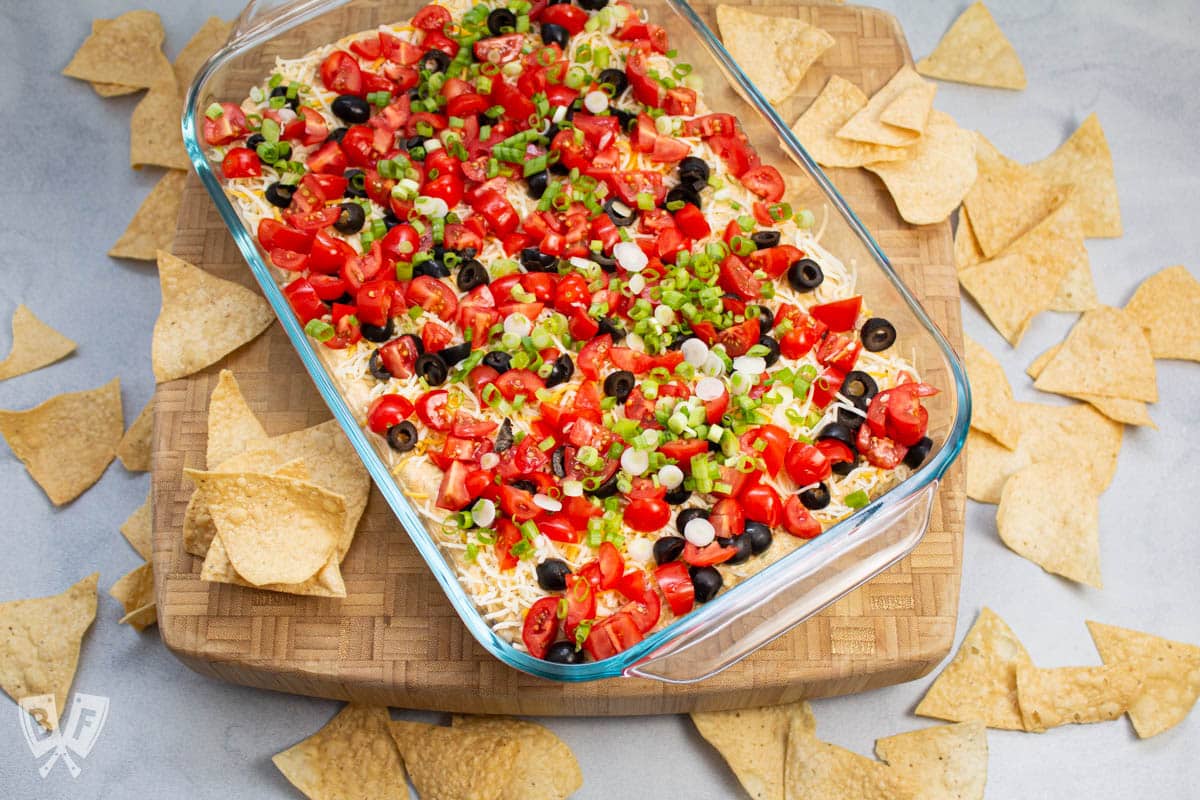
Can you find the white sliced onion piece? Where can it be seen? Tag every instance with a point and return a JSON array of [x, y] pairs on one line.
[[640, 549], [484, 513], [630, 256], [635, 461], [595, 101], [664, 314], [489, 460], [569, 488], [670, 476], [709, 388], [581, 263], [699, 532], [547, 503], [694, 351], [517, 323], [637, 283], [751, 365], [713, 365]]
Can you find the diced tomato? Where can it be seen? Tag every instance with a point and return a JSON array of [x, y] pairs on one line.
[[840, 315], [728, 518], [644, 609], [691, 222], [304, 300], [839, 352], [388, 410], [495, 209], [594, 355], [327, 287], [368, 48], [572, 294], [905, 419], [735, 152], [676, 585], [435, 337], [431, 18], [740, 337], [616, 633], [499, 49], [568, 16], [540, 627], [273, 234], [711, 125], [798, 521], [401, 243], [225, 128], [517, 106], [346, 328], [314, 220], [631, 183], [434, 296], [826, 386], [806, 464], [762, 504], [340, 73], [680, 101], [374, 302], [433, 410], [612, 566], [581, 602], [835, 451], [288, 259], [518, 503], [765, 181], [398, 51], [707, 556], [682, 450], [736, 278], [775, 260], [519, 382], [452, 494], [715, 409], [773, 450], [328, 255], [398, 357], [507, 535], [241, 162]]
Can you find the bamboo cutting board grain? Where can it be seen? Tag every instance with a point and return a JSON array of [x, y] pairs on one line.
[[396, 640]]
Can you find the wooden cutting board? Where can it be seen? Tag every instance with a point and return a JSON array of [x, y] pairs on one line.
[[396, 640]]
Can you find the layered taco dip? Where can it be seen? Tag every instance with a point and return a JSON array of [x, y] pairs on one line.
[[601, 354]]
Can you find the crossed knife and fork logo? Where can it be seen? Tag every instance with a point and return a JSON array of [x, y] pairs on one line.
[[74, 736]]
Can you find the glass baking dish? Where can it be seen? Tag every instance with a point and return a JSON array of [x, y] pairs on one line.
[[758, 609]]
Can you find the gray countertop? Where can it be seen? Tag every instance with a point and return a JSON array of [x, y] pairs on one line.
[[171, 733]]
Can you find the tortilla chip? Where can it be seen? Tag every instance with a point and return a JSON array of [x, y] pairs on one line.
[[1128, 412], [754, 743], [1007, 198], [206, 41], [817, 769], [1077, 433], [981, 682], [993, 410], [1073, 695], [274, 529], [113, 89], [137, 529], [34, 345], [1049, 513], [40, 640], [335, 467], [67, 442], [545, 768], [966, 246], [948, 762], [328, 581], [202, 318], [910, 109], [153, 226], [866, 125], [1077, 292], [232, 426], [1024, 280], [1169, 673], [126, 51], [930, 184], [1107, 354], [975, 51], [817, 128], [352, 757], [155, 136], [1167, 305], [774, 52], [134, 447], [135, 591], [454, 763], [1085, 161]]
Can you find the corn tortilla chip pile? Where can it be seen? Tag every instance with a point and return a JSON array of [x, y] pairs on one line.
[[135, 591], [1073, 695], [153, 226], [930, 184], [67, 442], [976, 51], [126, 51], [817, 128], [457, 762], [134, 448], [754, 743], [1167, 305], [34, 345], [867, 124], [993, 410], [820, 769], [946, 762], [774, 52], [1049, 513], [545, 768], [1169, 673], [1085, 162], [1106, 354], [40, 641], [352, 757], [202, 318], [137, 529], [232, 426]]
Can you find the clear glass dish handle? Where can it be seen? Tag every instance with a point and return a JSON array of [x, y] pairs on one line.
[[814, 577]]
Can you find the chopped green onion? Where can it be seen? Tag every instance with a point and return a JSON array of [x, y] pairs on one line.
[[214, 111], [320, 330], [857, 499]]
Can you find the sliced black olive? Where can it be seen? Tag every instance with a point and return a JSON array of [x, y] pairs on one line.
[[613, 328], [413, 142], [537, 183], [707, 582], [606, 262], [839, 433], [759, 535], [815, 498], [555, 34], [593, 5], [504, 436], [559, 168], [860, 388], [452, 355], [606, 489], [435, 61], [498, 360], [558, 461], [562, 370], [764, 239], [766, 318], [668, 549], [336, 135], [433, 267], [878, 334], [280, 194], [687, 515], [525, 486], [683, 194], [850, 419], [917, 454], [356, 183], [351, 219], [378, 371], [614, 78], [471, 274], [378, 333], [431, 367], [620, 214], [844, 468], [292, 102], [627, 118], [402, 436], [346, 299], [552, 574], [805, 275], [678, 496], [694, 172], [564, 653], [501, 21], [772, 346], [354, 110], [390, 220], [534, 260], [745, 548], [254, 140], [619, 384]]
